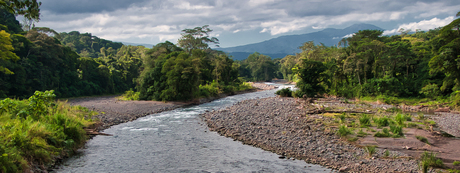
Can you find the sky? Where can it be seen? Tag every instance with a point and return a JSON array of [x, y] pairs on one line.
[[237, 22]]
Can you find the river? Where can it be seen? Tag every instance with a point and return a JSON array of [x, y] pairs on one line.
[[178, 141]]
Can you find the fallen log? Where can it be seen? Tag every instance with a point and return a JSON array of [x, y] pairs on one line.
[[92, 132], [321, 111]]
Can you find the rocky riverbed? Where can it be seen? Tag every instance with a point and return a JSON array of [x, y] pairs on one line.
[[280, 125]]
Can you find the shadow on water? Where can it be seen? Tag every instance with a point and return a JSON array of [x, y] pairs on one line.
[[178, 141]]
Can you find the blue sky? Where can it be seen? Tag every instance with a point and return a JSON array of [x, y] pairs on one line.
[[237, 22]]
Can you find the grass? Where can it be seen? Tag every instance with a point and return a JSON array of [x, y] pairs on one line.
[[422, 139], [382, 122], [365, 120], [428, 160], [370, 150], [361, 133], [456, 163], [343, 131], [38, 130], [129, 95]]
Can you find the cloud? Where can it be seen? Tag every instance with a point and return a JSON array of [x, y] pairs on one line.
[[164, 19], [423, 25]]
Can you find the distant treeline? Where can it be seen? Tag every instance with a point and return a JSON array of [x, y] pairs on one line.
[[421, 64]]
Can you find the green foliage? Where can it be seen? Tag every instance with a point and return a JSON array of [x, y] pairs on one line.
[[171, 73], [370, 150], [352, 139], [383, 134], [400, 119], [428, 160], [455, 163], [430, 90], [382, 122], [397, 131], [386, 154], [196, 38], [210, 90], [257, 67], [312, 76], [365, 120], [47, 130], [285, 92], [130, 95], [422, 139], [361, 133], [343, 131]]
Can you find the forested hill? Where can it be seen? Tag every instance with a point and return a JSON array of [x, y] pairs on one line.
[[288, 45], [87, 45]]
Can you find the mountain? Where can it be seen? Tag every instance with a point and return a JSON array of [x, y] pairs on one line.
[[138, 44], [288, 45]]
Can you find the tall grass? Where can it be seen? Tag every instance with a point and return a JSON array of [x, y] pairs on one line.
[[37, 130]]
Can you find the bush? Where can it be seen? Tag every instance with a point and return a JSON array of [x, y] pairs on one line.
[[39, 129], [285, 92], [382, 122], [397, 131], [365, 120], [361, 133], [343, 131], [370, 150], [244, 86], [209, 90], [130, 95], [400, 119], [429, 160], [385, 133]]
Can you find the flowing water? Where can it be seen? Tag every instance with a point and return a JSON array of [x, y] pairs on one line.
[[178, 141]]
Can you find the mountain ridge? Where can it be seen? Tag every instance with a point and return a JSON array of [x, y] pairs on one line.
[[288, 44]]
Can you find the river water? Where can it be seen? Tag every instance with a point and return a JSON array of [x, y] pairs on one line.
[[178, 141]]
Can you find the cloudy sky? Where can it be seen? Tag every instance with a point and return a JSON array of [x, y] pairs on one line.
[[237, 22]]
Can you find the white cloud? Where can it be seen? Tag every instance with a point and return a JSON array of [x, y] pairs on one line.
[[164, 20], [423, 25], [349, 35]]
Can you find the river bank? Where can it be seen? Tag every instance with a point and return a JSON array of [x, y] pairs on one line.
[[112, 111], [280, 125]]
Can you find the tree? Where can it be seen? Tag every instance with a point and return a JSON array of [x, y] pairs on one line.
[[6, 49], [196, 38], [30, 9], [311, 75]]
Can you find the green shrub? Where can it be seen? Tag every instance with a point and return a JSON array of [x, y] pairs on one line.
[[383, 134], [244, 86], [397, 131], [285, 92], [400, 119], [370, 150], [428, 160], [382, 122], [130, 95], [361, 133], [343, 131], [342, 116], [412, 125], [39, 129], [365, 120], [386, 154], [456, 163], [209, 90], [430, 90]]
